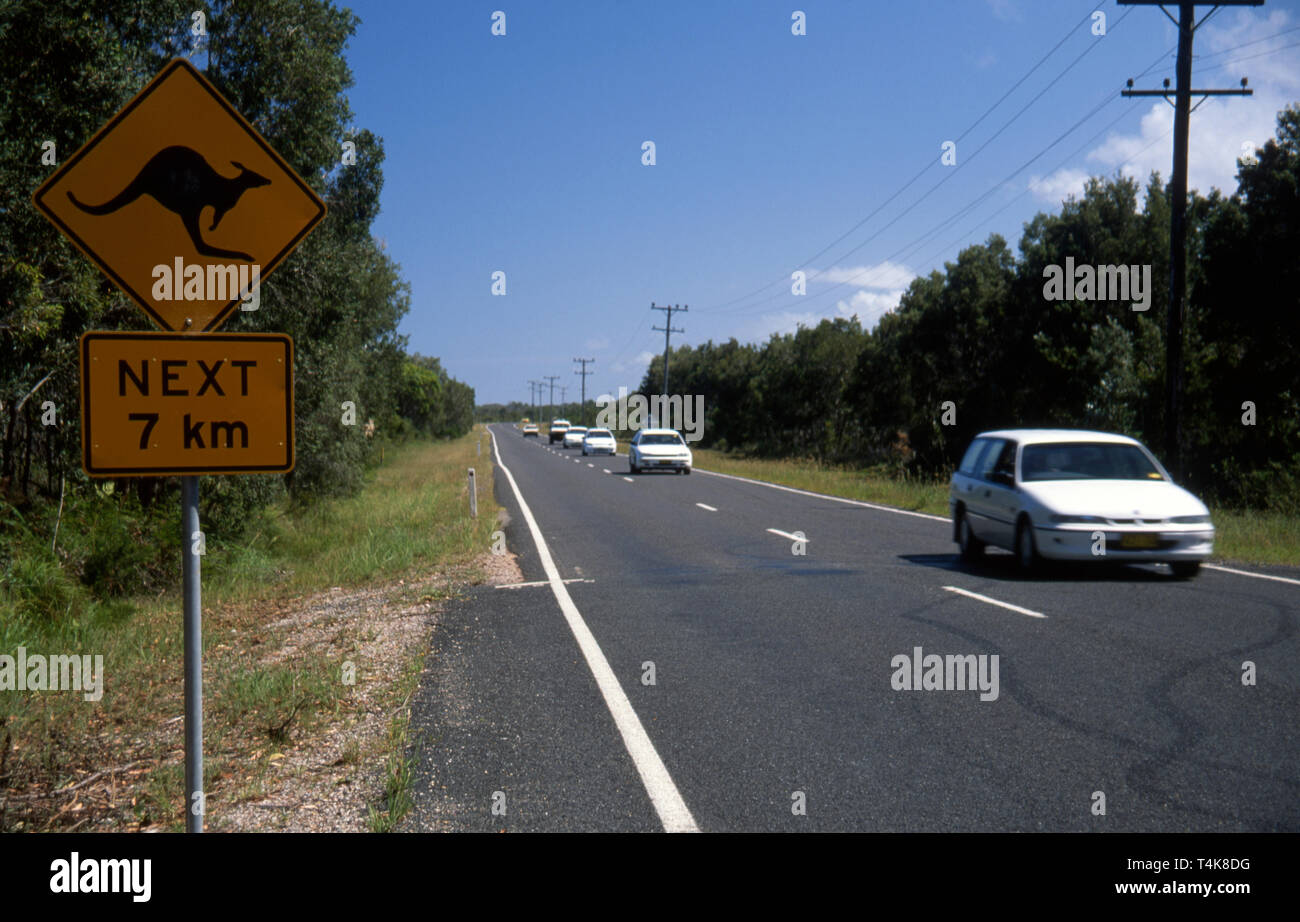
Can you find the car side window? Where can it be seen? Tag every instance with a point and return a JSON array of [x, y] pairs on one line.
[[984, 464], [970, 461], [1006, 463]]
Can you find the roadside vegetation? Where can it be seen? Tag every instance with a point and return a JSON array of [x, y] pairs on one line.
[[94, 565], [271, 683]]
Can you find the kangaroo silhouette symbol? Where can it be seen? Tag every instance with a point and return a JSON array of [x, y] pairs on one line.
[[181, 180]]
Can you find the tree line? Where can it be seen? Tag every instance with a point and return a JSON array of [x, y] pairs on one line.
[[989, 342], [65, 68]]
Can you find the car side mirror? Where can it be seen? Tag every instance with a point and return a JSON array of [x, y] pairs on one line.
[[1004, 478]]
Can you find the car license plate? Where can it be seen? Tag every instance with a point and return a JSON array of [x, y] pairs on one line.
[[665, 463], [1139, 541]]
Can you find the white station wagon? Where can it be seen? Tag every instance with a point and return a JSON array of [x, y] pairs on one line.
[[1066, 494], [658, 450], [598, 442]]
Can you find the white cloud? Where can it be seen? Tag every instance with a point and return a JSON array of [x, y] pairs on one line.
[[876, 289], [1058, 186], [637, 364], [1219, 127], [870, 306], [782, 323], [882, 276], [1004, 10]]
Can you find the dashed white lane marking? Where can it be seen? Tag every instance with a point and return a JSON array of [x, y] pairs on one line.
[[591, 465], [787, 535], [983, 598], [707, 506], [607, 470], [673, 812], [1276, 579], [838, 499], [629, 480]]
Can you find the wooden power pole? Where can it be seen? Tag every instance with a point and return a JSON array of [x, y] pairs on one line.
[[1182, 93]]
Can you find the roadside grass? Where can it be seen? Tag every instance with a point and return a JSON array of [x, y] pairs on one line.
[[916, 495], [1241, 536], [1256, 537], [411, 518]]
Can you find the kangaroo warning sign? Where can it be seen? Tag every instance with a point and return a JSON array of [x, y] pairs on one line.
[[181, 203], [154, 404]]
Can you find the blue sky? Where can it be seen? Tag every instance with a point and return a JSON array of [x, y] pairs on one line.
[[523, 153]]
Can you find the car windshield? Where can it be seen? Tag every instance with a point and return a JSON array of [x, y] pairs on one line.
[[576, 430], [1086, 461], [666, 438], [599, 434]]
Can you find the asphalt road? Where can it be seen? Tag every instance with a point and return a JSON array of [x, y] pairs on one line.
[[774, 675]]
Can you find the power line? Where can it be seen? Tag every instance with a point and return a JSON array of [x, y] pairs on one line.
[[951, 173], [928, 165], [938, 228], [1132, 157]]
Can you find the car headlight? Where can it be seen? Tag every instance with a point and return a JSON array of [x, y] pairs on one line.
[[1190, 520], [1078, 519]]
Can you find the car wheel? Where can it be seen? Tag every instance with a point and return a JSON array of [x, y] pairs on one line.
[[1186, 569], [972, 548], [1026, 552], [686, 470], [631, 466]]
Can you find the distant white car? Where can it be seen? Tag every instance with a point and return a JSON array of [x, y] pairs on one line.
[[599, 442], [573, 436], [1067, 494], [530, 429], [658, 450]]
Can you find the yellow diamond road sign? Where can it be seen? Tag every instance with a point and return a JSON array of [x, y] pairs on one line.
[[181, 203]]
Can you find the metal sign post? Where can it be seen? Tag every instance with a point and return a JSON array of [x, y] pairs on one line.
[[192, 401], [193, 615]]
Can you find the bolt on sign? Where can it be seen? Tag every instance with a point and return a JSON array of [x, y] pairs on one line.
[[181, 203], [166, 403]]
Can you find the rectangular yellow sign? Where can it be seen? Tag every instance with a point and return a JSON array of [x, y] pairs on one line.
[[156, 404]]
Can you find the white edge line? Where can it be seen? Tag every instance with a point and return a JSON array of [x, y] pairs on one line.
[[707, 506], [667, 800], [983, 598], [1278, 579], [838, 499]]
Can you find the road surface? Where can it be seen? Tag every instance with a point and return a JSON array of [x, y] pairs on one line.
[[773, 704]]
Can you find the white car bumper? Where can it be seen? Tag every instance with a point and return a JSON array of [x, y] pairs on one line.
[[651, 463], [1169, 544]]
